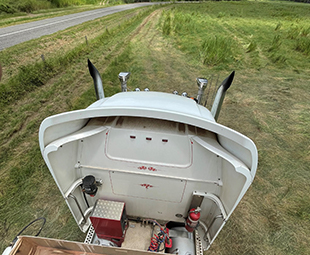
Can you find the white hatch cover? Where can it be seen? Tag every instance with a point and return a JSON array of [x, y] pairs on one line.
[[148, 187]]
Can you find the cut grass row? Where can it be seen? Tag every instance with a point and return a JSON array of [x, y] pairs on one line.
[[22, 169], [32, 76], [30, 53], [25, 71]]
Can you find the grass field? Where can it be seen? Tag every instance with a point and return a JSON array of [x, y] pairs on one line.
[[166, 48]]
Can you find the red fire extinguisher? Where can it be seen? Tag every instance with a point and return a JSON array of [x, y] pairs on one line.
[[192, 219]]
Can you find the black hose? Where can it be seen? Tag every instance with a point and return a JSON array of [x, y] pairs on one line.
[[85, 199], [40, 218]]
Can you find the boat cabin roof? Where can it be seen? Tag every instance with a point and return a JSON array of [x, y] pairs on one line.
[[156, 101]]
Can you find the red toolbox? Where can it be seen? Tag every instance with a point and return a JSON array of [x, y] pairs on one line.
[[109, 220]]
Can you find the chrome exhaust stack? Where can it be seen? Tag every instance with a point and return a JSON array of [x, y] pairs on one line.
[[97, 80], [124, 77], [202, 84], [220, 95]]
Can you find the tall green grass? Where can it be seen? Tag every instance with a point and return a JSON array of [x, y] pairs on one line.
[[216, 50], [238, 36], [167, 24], [303, 45]]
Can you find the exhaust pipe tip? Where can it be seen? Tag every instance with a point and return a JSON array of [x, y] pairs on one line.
[[228, 81], [220, 95], [97, 80]]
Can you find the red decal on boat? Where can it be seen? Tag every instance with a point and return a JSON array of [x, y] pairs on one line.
[[148, 168], [146, 185]]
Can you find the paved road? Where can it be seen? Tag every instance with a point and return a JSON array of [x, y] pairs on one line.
[[12, 35]]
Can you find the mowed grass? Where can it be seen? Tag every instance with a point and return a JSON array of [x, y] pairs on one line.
[[27, 189], [166, 48]]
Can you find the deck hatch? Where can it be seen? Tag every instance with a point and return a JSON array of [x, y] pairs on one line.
[[148, 187]]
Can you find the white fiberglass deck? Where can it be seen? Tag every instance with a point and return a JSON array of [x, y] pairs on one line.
[[148, 151]]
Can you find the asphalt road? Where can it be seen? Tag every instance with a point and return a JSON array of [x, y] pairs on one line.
[[12, 35]]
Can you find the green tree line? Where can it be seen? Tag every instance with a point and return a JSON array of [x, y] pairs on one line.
[[13, 6]]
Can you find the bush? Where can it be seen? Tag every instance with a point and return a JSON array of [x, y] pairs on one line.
[[65, 3], [28, 6], [11, 6], [32, 5], [6, 8]]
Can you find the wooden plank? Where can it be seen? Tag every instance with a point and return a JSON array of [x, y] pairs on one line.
[[27, 245]]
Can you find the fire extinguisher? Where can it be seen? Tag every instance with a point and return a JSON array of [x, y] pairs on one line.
[[192, 219]]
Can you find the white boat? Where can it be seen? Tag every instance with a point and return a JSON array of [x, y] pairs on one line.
[[145, 171]]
